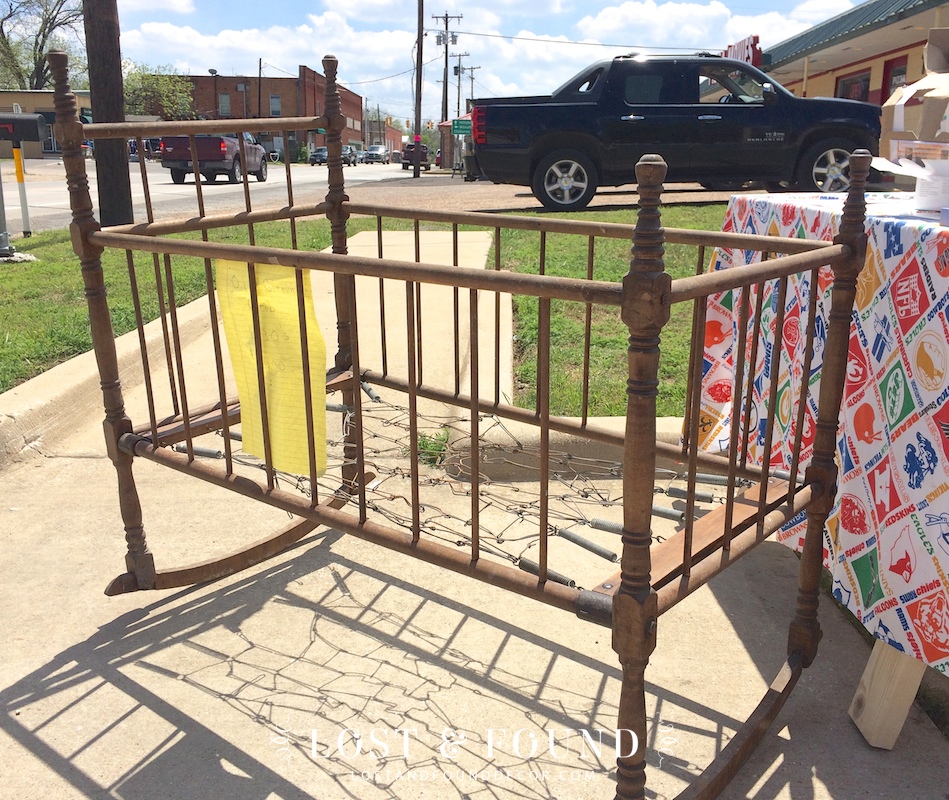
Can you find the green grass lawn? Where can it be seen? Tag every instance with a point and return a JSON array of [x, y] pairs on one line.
[[567, 257], [43, 318]]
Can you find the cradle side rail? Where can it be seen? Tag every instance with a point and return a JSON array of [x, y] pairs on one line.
[[653, 576]]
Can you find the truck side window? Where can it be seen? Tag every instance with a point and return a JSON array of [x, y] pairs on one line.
[[723, 85], [589, 82], [643, 89]]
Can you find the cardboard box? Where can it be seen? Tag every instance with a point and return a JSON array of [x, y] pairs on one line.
[[932, 124], [915, 137]]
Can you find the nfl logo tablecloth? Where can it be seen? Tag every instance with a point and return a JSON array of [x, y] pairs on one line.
[[887, 540]]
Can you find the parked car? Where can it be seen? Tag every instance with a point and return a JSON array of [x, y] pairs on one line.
[[217, 155], [150, 146], [714, 120], [377, 154], [408, 156], [318, 156], [349, 155], [438, 157], [360, 156]]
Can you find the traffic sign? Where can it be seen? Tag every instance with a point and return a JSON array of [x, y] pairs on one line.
[[461, 127]]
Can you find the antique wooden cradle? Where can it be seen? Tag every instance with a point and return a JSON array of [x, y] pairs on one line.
[[653, 576]]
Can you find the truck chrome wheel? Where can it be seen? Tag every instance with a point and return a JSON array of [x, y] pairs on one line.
[[565, 180], [825, 167]]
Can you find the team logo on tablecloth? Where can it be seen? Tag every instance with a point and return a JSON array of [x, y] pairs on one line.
[[941, 418], [866, 568], [909, 297], [886, 496], [897, 398], [903, 555], [936, 252], [930, 616], [882, 339], [940, 522], [865, 424], [716, 332], [853, 515], [931, 362], [919, 461], [857, 369], [869, 280]]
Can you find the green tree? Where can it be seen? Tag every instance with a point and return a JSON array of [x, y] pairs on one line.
[[29, 29], [157, 91]]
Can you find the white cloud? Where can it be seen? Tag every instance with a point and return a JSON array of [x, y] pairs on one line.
[[378, 64], [647, 24]]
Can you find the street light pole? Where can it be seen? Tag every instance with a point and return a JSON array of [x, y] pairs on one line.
[[215, 105]]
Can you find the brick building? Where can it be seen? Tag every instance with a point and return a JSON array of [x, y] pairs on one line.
[[219, 96]]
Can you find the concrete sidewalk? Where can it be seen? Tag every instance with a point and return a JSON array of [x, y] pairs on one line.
[[255, 686]]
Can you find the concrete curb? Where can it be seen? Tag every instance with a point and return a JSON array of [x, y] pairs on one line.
[[50, 406]]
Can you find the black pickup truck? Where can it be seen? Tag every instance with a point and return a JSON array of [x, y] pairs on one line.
[[714, 120]]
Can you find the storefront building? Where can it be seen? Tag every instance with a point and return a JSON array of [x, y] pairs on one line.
[[863, 54], [38, 101]]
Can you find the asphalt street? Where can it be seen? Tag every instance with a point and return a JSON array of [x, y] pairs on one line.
[[47, 203]]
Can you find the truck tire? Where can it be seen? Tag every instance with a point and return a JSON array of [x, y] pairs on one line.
[[209, 177], [825, 166], [235, 174], [564, 180], [261, 174], [178, 176]]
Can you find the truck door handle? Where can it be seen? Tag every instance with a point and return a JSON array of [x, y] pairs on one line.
[[631, 118], [709, 117]]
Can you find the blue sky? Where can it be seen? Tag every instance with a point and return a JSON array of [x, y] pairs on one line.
[[514, 47]]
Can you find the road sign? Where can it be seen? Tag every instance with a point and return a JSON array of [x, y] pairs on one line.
[[461, 127]]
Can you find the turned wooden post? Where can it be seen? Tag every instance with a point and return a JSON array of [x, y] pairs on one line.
[[138, 560], [344, 286], [805, 632], [635, 610]]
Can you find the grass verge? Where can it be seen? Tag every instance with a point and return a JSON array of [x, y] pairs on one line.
[[43, 316]]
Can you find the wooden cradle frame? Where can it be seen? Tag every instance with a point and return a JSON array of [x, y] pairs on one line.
[[653, 577]]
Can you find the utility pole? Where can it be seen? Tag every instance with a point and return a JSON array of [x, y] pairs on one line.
[[101, 21], [471, 77], [260, 83], [444, 38], [417, 170], [458, 71]]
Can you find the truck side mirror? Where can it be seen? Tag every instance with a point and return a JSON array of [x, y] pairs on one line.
[[768, 94]]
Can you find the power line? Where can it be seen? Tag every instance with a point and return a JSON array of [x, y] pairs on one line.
[[549, 40], [388, 77]]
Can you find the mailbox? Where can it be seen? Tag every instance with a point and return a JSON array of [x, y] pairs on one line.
[[22, 127]]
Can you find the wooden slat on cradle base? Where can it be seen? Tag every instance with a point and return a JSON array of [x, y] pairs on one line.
[[707, 536]]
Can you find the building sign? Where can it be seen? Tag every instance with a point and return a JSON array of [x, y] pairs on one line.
[[747, 50]]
